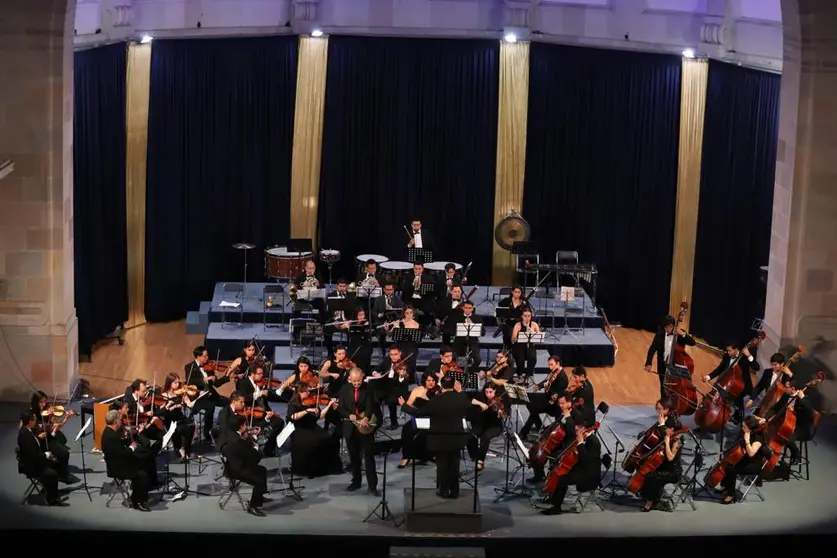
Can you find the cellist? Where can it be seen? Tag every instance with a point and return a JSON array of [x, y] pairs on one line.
[[568, 418], [753, 438], [586, 472], [663, 346], [671, 468], [748, 365], [778, 372]]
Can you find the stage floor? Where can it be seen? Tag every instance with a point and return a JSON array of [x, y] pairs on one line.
[[794, 507]]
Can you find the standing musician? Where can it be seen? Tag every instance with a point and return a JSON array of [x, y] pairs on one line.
[[357, 407], [514, 305], [359, 346], [754, 438], [584, 475], [196, 376], [412, 295], [447, 435], [582, 393], [556, 382], [370, 277], [139, 407], [125, 460], [55, 440], [254, 388], [414, 441], [568, 417], [335, 372], [176, 398], [671, 468], [419, 237], [385, 309], [35, 460], [309, 279], [249, 359], [314, 452], [487, 426], [338, 320], [525, 355], [449, 279], [748, 365], [447, 311], [243, 456], [663, 346], [468, 347], [501, 372]]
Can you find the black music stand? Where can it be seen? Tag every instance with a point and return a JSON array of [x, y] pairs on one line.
[[501, 313], [464, 334], [301, 245], [385, 513], [512, 489], [614, 485], [82, 433], [400, 334], [337, 304], [419, 255]]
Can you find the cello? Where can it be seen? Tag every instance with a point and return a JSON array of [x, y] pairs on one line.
[[782, 424], [715, 408], [648, 441], [548, 441], [565, 462], [651, 462], [685, 396], [778, 389]]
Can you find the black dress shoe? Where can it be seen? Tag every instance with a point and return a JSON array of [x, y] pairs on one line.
[[255, 511], [374, 492], [551, 511], [352, 487], [140, 507]]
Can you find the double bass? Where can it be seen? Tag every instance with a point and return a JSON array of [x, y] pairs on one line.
[[778, 389], [715, 408], [782, 424], [651, 462], [683, 391], [565, 462]]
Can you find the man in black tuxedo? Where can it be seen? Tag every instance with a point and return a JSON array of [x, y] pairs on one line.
[[370, 276], [545, 396], [747, 363], [581, 389], [243, 458], [419, 237], [35, 460], [135, 394], [195, 375], [663, 345], [449, 279], [125, 460], [226, 426], [249, 388], [357, 405], [350, 302], [584, 475], [446, 437], [447, 312], [386, 308]]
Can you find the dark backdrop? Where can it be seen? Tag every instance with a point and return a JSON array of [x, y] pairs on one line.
[[410, 132], [99, 213], [736, 201], [601, 170], [220, 137]]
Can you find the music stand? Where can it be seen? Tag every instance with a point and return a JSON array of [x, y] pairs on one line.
[[614, 484], [399, 334], [271, 304], [511, 489], [281, 439], [517, 396], [503, 313], [419, 255], [169, 484], [369, 293], [567, 295], [80, 439]]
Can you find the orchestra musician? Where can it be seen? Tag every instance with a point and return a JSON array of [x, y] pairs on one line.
[[556, 382], [242, 365], [176, 399], [568, 417], [662, 345], [468, 347], [447, 435], [414, 441], [407, 347], [586, 472], [243, 458], [357, 407], [487, 425], [514, 306], [392, 381], [582, 393], [139, 407], [314, 452], [255, 391], [359, 346], [754, 439], [419, 237], [302, 374], [370, 277], [309, 279], [335, 373], [447, 311], [670, 469], [748, 366], [450, 278], [55, 440], [126, 460], [35, 460], [204, 382], [226, 428], [778, 372], [339, 318], [412, 295], [501, 372], [385, 309], [525, 354]]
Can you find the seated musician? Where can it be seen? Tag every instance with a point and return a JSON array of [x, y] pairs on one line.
[[339, 318], [307, 280], [754, 439], [488, 424], [196, 376], [469, 347], [249, 358], [585, 475], [125, 460], [314, 452], [386, 309], [255, 392], [359, 346], [139, 408], [225, 418], [389, 381], [412, 295], [663, 345], [370, 277], [513, 305], [670, 470], [525, 354], [243, 456], [555, 383], [777, 372], [449, 279], [748, 365], [448, 309], [501, 372], [56, 440], [407, 346], [568, 418], [172, 412], [414, 441], [582, 393], [35, 459], [419, 237], [302, 374], [357, 407]]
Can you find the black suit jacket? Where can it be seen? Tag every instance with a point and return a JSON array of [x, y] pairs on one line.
[[240, 454], [122, 462], [225, 427], [32, 454], [346, 406], [446, 412], [426, 240], [658, 347], [193, 376], [379, 308], [587, 472], [407, 289], [745, 364], [559, 385], [442, 284], [588, 408], [246, 388]]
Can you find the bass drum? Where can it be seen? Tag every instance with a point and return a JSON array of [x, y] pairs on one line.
[[281, 264]]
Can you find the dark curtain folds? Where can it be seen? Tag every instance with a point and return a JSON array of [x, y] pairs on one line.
[[601, 170], [410, 132], [220, 139], [736, 202], [99, 213]]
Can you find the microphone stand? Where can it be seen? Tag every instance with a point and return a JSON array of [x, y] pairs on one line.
[[614, 484]]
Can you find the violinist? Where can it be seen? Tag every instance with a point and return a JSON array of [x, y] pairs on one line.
[[314, 452], [359, 347], [254, 388], [357, 405], [582, 393], [302, 374], [243, 464], [445, 364], [126, 460], [55, 439], [670, 470], [411, 292], [514, 306], [205, 382], [469, 347], [35, 460], [243, 364], [754, 440], [139, 408], [663, 345], [487, 426], [447, 311], [450, 278], [175, 400], [385, 309], [555, 383], [414, 441], [335, 371], [306, 281], [339, 318], [584, 475], [391, 381], [501, 372], [370, 277], [525, 354], [226, 428], [568, 417], [407, 321], [748, 365]]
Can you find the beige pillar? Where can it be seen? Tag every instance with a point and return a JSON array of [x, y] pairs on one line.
[[38, 342]]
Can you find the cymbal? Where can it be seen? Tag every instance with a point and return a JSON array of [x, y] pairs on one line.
[[243, 246]]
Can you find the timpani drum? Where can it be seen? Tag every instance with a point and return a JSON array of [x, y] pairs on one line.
[[329, 256], [394, 271], [438, 268], [281, 264], [363, 258]]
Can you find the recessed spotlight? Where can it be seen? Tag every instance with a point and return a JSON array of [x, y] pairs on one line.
[[316, 33], [510, 38]]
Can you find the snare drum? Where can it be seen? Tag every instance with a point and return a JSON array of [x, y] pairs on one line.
[[281, 264], [438, 268], [394, 271], [329, 256], [363, 258]]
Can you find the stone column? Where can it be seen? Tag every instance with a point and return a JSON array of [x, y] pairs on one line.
[[802, 285], [38, 341]]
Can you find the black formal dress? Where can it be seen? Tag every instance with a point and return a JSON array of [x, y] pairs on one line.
[[539, 402], [34, 463], [487, 425], [747, 466], [658, 347], [243, 464], [357, 401], [274, 426], [586, 473], [513, 316], [56, 444], [196, 376], [184, 431], [667, 473], [314, 452], [124, 463], [413, 440], [525, 354]]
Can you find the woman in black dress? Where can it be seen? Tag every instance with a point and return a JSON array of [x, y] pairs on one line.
[[414, 441], [314, 452], [514, 305], [172, 412], [487, 424], [669, 470]]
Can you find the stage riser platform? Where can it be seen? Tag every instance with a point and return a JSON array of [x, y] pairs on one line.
[[433, 514]]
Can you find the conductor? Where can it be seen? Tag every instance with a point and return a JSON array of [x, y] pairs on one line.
[[446, 437]]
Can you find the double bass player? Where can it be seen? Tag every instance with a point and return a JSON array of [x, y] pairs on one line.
[[663, 345]]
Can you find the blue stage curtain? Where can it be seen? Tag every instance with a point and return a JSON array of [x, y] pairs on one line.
[[601, 170], [736, 202], [410, 132], [220, 138], [99, 213]]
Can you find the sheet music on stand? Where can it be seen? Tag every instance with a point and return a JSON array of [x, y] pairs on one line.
[[419, 255], [336, 304], [426, 288], [517, 394], [531, 337], [310, 294], [468, 330], [368, 292], [567, 295]]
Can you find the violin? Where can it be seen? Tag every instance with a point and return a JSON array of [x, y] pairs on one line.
[[565, 462], [345, 364], [778, 389], [499, 407], [254, 412], [48, 420], [452, 366], [715, 409], [651, 462], [272, 383], [497, 366], [214, 367], [685, 397]]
